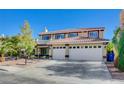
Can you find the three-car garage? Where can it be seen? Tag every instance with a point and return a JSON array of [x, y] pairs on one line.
[[75, 52]]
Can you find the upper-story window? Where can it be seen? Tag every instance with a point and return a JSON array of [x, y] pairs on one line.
[[93, 34], [45, 37], [59, 36], [72, 34]]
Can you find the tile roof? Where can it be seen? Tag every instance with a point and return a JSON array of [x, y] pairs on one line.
[[73, 30], [77, 40]]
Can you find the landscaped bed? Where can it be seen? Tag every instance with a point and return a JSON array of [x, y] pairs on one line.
[[18, 62]]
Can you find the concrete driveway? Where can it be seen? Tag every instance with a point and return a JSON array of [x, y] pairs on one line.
[[82, 70], [60, 72]]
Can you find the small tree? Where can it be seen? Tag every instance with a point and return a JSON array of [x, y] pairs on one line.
[[109, 47], [26, 40]]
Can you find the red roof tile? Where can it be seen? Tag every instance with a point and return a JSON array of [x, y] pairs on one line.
[[77, 41], [73, 30]]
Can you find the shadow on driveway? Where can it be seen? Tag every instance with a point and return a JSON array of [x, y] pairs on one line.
[[80, 70]]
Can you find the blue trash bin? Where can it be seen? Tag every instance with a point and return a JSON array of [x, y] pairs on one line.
[[110, 56]]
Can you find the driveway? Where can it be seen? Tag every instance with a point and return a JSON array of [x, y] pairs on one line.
[[60, 72], [82, 70]]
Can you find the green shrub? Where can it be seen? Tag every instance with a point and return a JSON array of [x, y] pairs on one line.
[[121, 52], [121, 60], [110, 47]]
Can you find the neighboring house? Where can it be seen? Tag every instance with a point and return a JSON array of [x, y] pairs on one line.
[[73, 44], [122, 19]]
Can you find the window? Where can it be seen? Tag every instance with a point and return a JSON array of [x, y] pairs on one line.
[[60, 47], [93, 34], [99, 46], [46, 37], [86, 46], [63, 47], [94, 46], [54, 47], [78, 47], [72, 34], [70, 47], [90, 46], [59, 36], [74, 47]]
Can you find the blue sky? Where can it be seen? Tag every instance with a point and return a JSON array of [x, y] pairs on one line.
[[12, 20]]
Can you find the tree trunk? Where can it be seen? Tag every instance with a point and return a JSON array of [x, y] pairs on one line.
[[26, 59]]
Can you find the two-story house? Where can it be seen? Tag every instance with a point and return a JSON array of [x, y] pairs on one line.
[[73, 44]]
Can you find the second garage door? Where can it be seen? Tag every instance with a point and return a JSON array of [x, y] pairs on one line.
[[85, 53]]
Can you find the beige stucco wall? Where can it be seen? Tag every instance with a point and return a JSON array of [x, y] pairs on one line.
[[100, 34], [104, 49], [104, 52]]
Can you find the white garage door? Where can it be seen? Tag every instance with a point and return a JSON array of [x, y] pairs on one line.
[[59, 53], [85, 53]]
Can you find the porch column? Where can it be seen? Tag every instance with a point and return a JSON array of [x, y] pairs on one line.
[[50, 52], [38, 52]]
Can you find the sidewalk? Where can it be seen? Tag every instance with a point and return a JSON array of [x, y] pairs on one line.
[[115, 73]]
